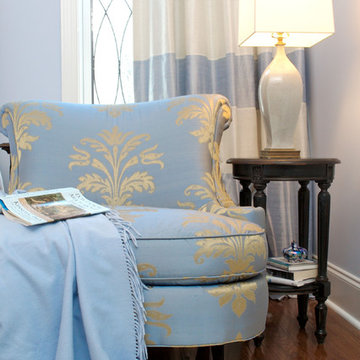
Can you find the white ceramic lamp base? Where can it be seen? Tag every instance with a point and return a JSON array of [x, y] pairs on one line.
[[280, 98]]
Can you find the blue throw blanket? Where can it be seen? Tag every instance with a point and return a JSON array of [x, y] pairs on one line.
[[70, 291]]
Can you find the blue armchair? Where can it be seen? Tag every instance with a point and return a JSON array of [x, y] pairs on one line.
[[201, 256]]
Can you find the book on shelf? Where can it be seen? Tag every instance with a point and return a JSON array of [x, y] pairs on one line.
[[40, 207], [1, 183], [281, 263], [282, 281], [292, 275]]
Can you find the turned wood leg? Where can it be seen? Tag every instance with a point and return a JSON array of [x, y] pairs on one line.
[[320, 314], [303, 211], [203, 353], [218, 352], [302, 309], [245, 193], [323, 290], [260, 196], [259, 339]]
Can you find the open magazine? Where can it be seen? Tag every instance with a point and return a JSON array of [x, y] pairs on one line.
[[39, 207]]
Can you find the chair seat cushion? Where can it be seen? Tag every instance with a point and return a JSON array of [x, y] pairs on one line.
[[196, 315], [188, 247]]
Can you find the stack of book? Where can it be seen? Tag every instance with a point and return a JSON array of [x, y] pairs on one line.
[[281, 271]]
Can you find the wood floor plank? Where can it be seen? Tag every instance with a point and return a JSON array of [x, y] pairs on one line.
[[284, 339]]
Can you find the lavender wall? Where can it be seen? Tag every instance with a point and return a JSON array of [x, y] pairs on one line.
[[30, 55], [334, 110]]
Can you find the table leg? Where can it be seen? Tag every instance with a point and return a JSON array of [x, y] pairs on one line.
[[323, 283], [203, 353], [259, 339], [303, 211], [260, 196], [218, 352], [302, 317], [245, 193]]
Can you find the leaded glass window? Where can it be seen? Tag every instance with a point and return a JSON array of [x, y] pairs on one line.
[[112, 52]]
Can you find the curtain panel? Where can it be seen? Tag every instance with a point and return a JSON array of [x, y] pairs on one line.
[[190, 46]]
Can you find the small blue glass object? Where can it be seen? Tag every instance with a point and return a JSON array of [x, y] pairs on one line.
[[295, 253]]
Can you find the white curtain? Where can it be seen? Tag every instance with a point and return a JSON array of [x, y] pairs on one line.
[[190, 46]]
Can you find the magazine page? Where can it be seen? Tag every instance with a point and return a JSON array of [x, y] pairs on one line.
[[13, 210], [47, 206]]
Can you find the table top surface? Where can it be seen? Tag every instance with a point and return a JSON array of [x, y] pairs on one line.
[[294, 162]]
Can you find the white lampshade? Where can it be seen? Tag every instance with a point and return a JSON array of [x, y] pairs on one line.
[[306, 22], [293, 23]]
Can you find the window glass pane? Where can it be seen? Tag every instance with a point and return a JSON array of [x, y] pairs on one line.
[[112, 49]]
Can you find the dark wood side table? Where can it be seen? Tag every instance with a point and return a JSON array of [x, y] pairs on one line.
[[261, 171]]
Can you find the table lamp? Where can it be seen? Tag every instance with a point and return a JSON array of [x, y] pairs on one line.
[[291, 23]]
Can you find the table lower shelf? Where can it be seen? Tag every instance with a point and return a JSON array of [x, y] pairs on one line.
[[286, 289]]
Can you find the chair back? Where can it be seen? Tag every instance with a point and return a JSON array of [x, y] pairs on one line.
[[162, 153]]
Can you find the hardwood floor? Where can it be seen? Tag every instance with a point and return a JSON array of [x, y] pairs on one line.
[[284, 339]]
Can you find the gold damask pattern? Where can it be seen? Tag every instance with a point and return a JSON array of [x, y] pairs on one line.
[[117, 149], [231, 211], [207, 109], [237, 294], [147, 270], [130, 214], [21, 120], [239, 251], [156, 318], [215, 190], [116, 110]]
